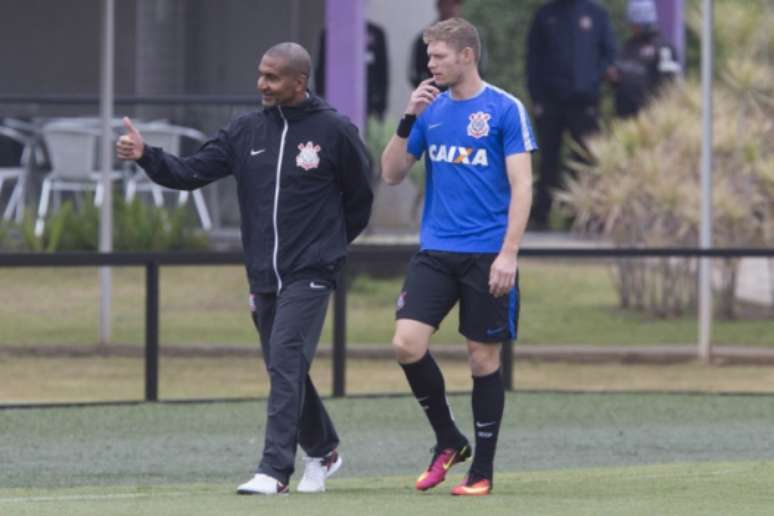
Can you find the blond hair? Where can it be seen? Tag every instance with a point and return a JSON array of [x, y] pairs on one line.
[[458, 33]]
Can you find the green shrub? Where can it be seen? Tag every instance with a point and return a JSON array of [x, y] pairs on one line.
[[140, 226], [137, 226], [642, 188], [5, 235], [65, 230]]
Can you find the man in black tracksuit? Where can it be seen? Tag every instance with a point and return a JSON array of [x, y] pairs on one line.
[[570, 50], [303, 182], [418, 71], [646, 62], [377, 70]]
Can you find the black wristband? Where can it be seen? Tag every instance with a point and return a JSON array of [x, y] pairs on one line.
[[405, 125]]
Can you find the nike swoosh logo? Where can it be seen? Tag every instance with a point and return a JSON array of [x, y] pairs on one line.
[[433, 126], [451, 460], [317, 286], [494, 331], [484, 425], [256, 152]]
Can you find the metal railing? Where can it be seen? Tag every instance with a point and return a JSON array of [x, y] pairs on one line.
[[374, 256]]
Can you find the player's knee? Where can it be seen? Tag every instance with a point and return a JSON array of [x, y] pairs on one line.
[[484, 360], [406, 349]]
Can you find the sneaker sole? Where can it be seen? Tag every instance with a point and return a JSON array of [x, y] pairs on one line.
[[244, 492], [473, 493]]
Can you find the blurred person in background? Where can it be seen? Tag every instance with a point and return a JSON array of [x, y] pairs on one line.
[[377, 70], [477, 142], [646, 62], [570, 52], [418, 71], [303, 178]]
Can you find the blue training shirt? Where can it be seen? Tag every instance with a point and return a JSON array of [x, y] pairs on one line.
[[467, 192]]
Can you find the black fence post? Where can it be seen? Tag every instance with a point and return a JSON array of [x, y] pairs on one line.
[[340, 336], [506, 363], [152, 331]]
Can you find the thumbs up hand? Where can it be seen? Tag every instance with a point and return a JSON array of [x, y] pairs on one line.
[[130, 146]]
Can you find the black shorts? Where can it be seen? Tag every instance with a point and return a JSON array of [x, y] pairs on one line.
[[436, 280]]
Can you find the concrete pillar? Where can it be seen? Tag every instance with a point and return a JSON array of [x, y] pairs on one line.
[[671, 21], [344, 58]]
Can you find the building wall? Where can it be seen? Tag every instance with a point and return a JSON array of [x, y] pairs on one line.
[[226, 39], [168, 47], [53, 47], [163, 47]]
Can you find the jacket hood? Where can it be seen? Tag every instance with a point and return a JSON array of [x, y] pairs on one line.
[[312, 104]]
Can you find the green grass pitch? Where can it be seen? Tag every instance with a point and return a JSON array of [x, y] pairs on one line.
[[573, 454]]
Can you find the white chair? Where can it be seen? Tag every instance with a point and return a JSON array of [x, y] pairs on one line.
[[169, 137], [72, 151], [16, 173]]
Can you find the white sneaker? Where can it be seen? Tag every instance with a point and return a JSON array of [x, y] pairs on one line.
[[316, 470], [262, 484]]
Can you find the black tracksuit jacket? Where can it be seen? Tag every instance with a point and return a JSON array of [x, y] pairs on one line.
[[303, 181], [569, 47]]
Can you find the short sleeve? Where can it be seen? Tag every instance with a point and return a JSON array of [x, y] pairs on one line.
[[416, 141], [518, 136]]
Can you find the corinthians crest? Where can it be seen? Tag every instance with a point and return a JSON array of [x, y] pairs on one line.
[[307, 157], [479, 124]]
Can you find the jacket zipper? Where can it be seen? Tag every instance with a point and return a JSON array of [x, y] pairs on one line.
[[276, 199]]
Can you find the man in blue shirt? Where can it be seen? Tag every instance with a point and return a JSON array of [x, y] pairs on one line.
[[570, 50], [476, 140]]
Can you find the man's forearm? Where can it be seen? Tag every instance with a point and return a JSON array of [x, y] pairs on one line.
[[396, 161], [519, 170], [169, 170], [518, 214]]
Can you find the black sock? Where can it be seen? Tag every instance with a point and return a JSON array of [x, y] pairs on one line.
[[427, 384], [488, 404]]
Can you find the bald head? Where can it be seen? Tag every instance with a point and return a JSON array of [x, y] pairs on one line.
[[283, 75], [296, 59]]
